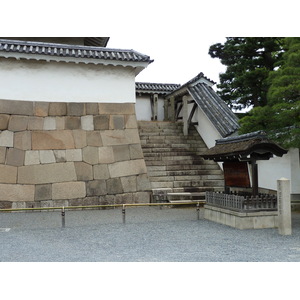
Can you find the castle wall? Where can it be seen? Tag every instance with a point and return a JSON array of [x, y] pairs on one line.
[[68, 154]]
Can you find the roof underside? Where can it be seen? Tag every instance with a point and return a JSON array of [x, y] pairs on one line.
[[224, 120], [244, 147]]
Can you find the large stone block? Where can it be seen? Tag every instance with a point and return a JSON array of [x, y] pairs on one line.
[[116, 122], [74, 155], [101, 171], [48, 173], [129, 184], [96, 188], [57, 109], [32, 158], [127, 168], [121, 152], [101, 122], [52, 140], [114, 186], [72, 123], [16, 192], [141, 197], [18, 123], [49, 123], [90, 155], [120, 137], [8, 174], [2, 155], [117, 108], [4, 121], [22, 140], [15, 157], [68, 190], [130, 122], [84, 171], [60, 123], [13, 107], [60, 155], [92, 108], [106, 155], [143, 183], [76, 109], [47, 157], [80, 138], [43, 192], [87, 122], [6, 139], [136, 151], [93, 138], [41, 109], [35, 123], [124, 198]]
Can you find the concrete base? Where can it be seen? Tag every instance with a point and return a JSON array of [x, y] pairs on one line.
[[241, 220]]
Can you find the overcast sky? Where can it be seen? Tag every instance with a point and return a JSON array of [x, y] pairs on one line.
[[174, 61]]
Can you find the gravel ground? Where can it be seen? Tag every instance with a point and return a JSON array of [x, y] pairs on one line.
[[150, 234]]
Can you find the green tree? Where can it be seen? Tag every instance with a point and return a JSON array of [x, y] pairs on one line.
[[249, 61], [280, 118]]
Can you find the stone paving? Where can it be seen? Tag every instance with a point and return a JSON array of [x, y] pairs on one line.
[[150, 234]]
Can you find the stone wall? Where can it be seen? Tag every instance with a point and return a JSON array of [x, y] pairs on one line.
[[67, 154], [241, 220]]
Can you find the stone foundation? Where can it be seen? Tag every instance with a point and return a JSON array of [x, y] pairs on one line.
[[67, 154], [241, 220]]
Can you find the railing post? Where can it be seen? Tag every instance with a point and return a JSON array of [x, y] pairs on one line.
[[198, 211], [123, 213], [63, 221]]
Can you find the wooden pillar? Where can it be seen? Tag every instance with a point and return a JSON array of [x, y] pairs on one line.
[[155, 107], [185, 115], [254, 177], [166, 110], [172, 109]]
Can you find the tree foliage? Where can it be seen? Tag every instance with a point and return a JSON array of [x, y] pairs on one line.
[[249, 61], [280, 118]]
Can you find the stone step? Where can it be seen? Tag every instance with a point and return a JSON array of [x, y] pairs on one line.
[[185, 173]]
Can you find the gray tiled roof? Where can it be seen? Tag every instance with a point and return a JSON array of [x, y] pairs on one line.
[[160, 88], [225, 121], [74, 51]]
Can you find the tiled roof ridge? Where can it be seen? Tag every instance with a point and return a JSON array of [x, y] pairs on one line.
[[198, 77], [257, 135], [157, 84], [56, 49]]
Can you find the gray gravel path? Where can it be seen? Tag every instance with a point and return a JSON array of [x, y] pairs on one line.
[[149, 235]]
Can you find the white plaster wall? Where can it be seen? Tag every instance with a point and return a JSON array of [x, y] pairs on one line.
[[143, 108], [66, 82], [269, 171], [206, 129], [295, 170]]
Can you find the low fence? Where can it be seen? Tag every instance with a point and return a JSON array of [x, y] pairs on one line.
[[261, 202]]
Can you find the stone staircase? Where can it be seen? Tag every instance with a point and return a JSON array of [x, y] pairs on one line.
[[175, 169]]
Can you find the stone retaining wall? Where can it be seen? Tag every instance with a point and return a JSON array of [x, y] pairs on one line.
[[66, 154], [241, 220]]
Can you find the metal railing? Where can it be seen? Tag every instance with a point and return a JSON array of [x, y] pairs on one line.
[[261, 202], [123, 206]]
